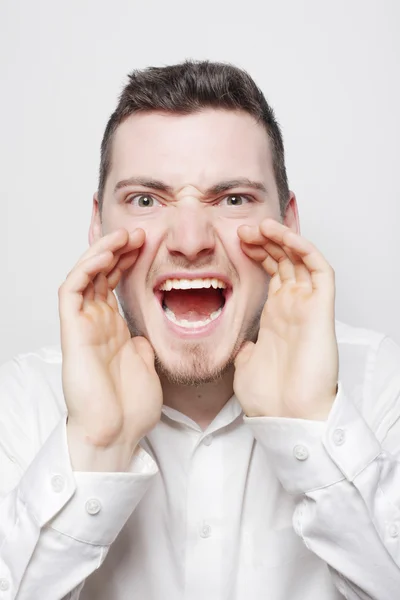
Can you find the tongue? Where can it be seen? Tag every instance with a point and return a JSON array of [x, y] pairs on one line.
[[193, 305]]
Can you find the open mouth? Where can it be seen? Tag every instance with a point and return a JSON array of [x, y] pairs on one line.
[[193, 303]]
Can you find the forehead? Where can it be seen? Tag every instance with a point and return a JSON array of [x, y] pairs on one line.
[[198, 149]]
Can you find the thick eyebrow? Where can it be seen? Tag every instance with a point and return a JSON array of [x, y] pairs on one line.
[[153, 184], [219, 188], [225, 186]]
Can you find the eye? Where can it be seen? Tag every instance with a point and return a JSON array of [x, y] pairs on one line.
[[235, 200], [143, 201]]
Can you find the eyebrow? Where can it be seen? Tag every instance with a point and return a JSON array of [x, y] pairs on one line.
[[218, 188], [224, 186], [153, 184]]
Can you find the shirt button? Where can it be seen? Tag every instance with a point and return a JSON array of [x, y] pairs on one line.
[[57, 483], [207, 441], [300, 452], [393, 530], [339, 437], [4, 585], [205, 531], [93, 506]]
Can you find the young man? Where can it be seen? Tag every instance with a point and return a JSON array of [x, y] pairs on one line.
[[225, 438]]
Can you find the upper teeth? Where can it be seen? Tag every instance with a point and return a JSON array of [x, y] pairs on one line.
[[187, 284]]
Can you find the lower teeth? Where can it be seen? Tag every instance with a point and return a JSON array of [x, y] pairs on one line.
[[191, 324]]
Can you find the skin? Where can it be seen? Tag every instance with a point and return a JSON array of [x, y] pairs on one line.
[[189, 230], [274, 345]]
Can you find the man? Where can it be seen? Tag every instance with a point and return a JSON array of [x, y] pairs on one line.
[[225, 438]]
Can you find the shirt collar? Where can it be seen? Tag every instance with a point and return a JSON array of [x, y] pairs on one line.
[[228, 413]]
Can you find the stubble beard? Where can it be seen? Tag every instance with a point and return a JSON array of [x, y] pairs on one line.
[[196, 366]]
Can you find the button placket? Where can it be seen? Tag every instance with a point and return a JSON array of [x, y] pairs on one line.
[[205, 530], [203, 496]]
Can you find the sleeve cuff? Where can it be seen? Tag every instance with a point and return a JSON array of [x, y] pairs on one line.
[[309, 455], [103, 502], [90, 507], [48, 483]]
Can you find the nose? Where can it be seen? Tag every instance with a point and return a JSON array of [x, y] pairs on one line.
[[191, 233]]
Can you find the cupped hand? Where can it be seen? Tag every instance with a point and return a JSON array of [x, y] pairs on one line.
[[111, 388], [292, 369]]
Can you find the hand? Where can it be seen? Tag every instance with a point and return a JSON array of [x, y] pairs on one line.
[[292, 369], [111, 388]]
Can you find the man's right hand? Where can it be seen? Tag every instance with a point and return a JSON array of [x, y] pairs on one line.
[[112, 391]]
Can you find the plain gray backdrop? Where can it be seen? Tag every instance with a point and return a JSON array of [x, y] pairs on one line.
[[330, 69]]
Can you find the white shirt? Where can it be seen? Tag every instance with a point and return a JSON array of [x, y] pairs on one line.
[[250, 509]]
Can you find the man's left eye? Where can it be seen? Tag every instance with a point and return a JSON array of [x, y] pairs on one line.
[[235, 200]]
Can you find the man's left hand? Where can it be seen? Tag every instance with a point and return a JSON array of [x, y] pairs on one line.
[[292, 369]]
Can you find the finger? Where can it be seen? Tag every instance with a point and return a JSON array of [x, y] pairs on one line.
[[320, 271], [259, 254], [253, 236], [285, 265], [125, 263], [72, 290], [100, 284], [302, 274], [275, 284], [88, 294], [118, 241], [112, 300], [111, 241], [286, 260]]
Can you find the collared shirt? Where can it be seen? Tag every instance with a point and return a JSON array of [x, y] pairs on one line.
[[249, 509]]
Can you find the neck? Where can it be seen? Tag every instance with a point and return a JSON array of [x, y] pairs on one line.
[[200, 403]]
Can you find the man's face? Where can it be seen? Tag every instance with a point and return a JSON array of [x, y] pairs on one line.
[[187, 181]]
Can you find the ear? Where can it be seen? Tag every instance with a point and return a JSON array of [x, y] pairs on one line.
[[291, 216], [95, 229]]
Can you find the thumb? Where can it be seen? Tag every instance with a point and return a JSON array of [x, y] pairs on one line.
[[145, 350], [244, 354]]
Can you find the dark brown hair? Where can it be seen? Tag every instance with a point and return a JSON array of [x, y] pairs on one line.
[[187, 88]]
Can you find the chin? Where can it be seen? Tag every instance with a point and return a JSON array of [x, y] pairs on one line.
[[193, 366]]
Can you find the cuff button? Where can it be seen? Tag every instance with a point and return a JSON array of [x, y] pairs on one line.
[[300, 452], [93, 506]]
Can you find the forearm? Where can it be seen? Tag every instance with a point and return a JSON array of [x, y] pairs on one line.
[[56, 567], [336, 525], [53, 537], [347, 489]]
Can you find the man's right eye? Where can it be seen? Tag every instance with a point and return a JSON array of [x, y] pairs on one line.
[[143, 201]]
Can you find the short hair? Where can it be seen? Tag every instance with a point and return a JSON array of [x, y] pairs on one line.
[[189, 87]]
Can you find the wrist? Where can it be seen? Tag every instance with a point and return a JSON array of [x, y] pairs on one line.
[[85, 455]]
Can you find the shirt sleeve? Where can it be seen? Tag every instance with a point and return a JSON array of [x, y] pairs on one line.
[[54, 516], [345, 474]]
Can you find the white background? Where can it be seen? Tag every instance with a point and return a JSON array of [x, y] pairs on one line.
[[330, 69]]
